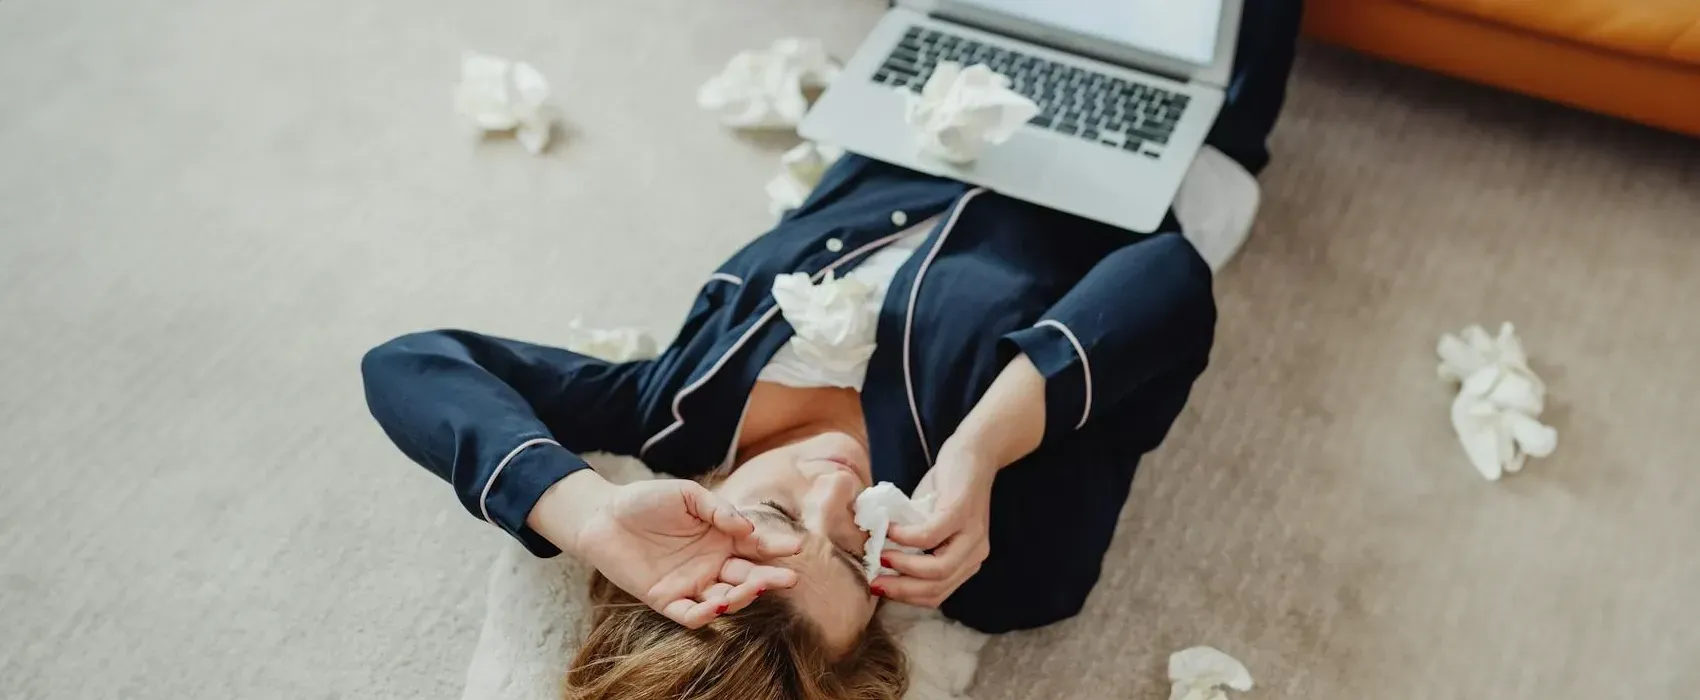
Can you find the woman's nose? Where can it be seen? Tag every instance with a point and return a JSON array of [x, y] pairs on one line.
[[830, 510]]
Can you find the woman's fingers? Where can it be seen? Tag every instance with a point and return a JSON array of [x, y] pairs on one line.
[[691, 613], [715, 593], [903, 589], [925, 536], [747, 539], [742, 595], [768, 543], [923, 566], [928, 579], [947, 563], [741, 571], [742, 581], [927, 593], [703, 505], [733, 598], [914, 591]]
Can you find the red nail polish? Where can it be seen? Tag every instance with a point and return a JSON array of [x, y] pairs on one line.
[[885, 562], [722, 609], [760, 591], [877, 591]]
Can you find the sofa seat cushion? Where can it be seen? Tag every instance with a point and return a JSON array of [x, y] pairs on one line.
[[1659, 29]]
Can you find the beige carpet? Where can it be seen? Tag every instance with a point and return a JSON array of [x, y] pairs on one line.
[[209, 208]]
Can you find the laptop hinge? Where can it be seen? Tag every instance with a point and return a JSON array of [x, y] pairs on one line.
[[1059, 40]]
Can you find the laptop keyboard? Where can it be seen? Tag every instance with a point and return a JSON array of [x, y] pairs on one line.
[[1074, 102]]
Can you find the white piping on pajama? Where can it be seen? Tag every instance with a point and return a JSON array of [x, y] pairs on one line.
[[725, 277], [1085, 366], [909, 318], [679, 420], [485, 494]]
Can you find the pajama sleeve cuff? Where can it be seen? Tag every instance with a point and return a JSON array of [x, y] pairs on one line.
[[1060, 358], [518, 481]]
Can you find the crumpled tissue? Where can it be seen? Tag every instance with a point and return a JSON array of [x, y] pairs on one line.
[[1499, 400], [764, 89], [610, 344], [1201, 673], [501, 95], [833, 331], [803, 167], [960, 111], [877, 509]]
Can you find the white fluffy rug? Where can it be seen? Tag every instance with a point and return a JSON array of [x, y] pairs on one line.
[[535, 618]]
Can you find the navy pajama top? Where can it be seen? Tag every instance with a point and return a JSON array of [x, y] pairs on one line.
[[1119, 324]]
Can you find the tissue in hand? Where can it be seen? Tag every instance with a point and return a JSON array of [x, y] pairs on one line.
[[502, 95], [764, 89], [960, 110], [877, 509]]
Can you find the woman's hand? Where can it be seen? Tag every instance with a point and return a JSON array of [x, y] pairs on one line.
[[956, 536], [1007, 423], [671, 543]]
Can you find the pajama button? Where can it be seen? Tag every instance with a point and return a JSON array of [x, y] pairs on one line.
[[899, 218], [834, 244]]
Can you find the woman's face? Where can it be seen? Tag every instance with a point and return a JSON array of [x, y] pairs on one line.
[[810, 487]]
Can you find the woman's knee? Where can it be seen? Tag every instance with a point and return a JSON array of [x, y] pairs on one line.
[[1177, 277]]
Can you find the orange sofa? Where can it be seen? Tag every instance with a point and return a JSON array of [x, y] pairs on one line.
[[1635, 59]]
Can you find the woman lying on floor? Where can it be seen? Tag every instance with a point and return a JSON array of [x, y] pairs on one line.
[[1013, 361]]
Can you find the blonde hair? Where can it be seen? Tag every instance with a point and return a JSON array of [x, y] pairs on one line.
[[767, 651]]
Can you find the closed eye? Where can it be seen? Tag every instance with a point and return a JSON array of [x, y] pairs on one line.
[[778, 516], [850, 561], [781, 510]]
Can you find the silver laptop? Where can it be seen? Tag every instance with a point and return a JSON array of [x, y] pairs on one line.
[[1128, 89]]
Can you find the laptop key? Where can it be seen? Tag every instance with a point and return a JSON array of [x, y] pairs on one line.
[[1149, 135], [1073, 100]]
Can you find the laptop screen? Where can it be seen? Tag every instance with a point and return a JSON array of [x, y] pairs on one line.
[[1182, 29]]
